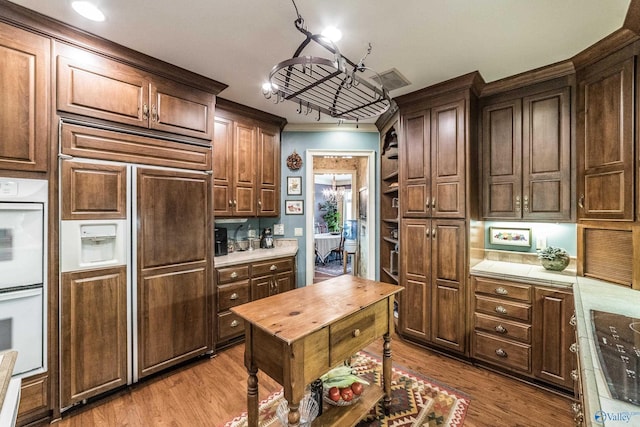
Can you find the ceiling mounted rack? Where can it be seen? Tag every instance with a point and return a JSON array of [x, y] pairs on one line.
[[321, 85]]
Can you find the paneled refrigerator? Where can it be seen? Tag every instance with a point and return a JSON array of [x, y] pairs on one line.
[[136, 285]]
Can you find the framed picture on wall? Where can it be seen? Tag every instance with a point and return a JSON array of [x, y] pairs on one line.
[[510, 236], [294, 186], [294, 207], [363, 202]]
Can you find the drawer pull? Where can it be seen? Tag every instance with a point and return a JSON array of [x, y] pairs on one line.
[[501, 291], [234, 296], [574, 375], [573, 348], [501, 329], [500, 309], [576, 407], [273, 267], [234, 275], [573, 321], [500, 352], [356, 333], [234, 323]]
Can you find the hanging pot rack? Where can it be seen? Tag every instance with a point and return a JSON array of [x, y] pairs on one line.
[[332, 87]]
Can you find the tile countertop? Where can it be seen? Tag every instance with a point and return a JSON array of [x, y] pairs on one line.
[[283, 248], [588, 294]]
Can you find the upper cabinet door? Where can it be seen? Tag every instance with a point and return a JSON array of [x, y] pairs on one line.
[[415, 168], [180, 109], [24, 111], [605, 143], [222, 167], [448, 161], [94, 86], [546, 156], [244, 169], [501, 159], [268, 172]]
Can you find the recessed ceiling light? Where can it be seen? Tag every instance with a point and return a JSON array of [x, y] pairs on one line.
[[332, 33], [88, 10]]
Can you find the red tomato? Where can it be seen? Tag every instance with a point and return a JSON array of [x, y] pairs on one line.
[[346, 394], [334, 394], [356, 388]]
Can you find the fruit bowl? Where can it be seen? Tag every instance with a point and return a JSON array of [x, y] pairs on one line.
[[341, 402], [341, 387]]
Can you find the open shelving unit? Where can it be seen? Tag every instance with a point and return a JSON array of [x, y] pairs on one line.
[[389, 203]]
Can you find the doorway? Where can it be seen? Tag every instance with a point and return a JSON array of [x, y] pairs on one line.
[[351, 172]]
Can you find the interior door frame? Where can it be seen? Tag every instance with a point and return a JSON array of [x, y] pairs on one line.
[[371, 208]]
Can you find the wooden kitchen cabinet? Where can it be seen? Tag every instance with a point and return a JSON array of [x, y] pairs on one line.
[[432, 162], [94, 333], [173, 267], [272, 277], [246, 163], [92, 85], [605, 139], [433, 273], [526, 145], [24, 84], [524, 328]]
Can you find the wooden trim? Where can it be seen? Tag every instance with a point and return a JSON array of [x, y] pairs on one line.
[[233, 108], [538, 75], [632, 20], [613, 42], [472, 81], [635, 236]]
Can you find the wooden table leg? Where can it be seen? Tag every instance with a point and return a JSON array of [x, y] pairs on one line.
[[386, 371], [294, 414], [252, 397]]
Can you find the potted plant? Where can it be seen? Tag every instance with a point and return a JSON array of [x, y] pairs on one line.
[[331, 216], [555, 259]]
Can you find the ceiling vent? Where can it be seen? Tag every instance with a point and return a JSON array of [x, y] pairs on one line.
[[392, 79]]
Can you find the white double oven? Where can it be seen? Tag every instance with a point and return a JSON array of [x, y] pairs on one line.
[[23, 272]]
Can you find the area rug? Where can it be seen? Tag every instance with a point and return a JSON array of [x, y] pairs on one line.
[[332, 268], [416, 401]]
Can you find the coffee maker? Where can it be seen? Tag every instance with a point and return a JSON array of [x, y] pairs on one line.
[[266, 241], [221, 241]]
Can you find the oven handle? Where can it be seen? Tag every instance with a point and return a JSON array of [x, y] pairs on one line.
[[34, 206], [17, 294]]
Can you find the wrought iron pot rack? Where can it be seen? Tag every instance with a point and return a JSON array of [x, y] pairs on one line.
[[327, 86]]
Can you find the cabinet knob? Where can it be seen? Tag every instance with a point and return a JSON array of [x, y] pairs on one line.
[[234, 275], [154, 114], [259, 203], [428, 232], [576, 407], [500, 352], [234, 296], [501, 291], [501, 329], [428, 203], [573, 348], [273, 267], [145, 111], [500, 309], [231, 203], [526, 203], [517, 203], [574, 375], [573, 320], [433, 203], [234, 323], [581, 201], [356, 333]]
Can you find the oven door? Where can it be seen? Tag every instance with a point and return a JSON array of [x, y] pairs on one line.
[[21, 244], [21, 326]]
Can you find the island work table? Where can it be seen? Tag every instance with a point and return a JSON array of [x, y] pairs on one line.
[[297, 336]]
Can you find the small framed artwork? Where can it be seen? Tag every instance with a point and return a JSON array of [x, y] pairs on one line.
[[294, 186], [294, 207], [510, 236]]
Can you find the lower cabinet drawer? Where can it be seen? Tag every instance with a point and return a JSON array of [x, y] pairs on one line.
[[502, 327], [230, 325], [232, 294], [275, 266], [504, 309], [354, 332], [509, 354]]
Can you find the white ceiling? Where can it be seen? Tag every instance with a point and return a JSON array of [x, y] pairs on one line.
[[237, 42]]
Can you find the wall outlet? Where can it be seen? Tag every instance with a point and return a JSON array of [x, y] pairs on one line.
[[297, 231], [278, 229]]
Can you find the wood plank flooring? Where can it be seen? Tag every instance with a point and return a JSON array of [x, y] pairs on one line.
[[212, 391]]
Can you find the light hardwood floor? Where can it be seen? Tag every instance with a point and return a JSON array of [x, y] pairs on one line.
[[212, 391]]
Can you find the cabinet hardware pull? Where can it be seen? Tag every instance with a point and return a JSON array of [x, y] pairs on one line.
[[576, 407], [154, 114], [500, 309], [574, 374], [356, 333], [433, 233], [501, 291], [273, 267], [428, 232], [581, 201], [500, 352], [427, 204], [234, 296], [145, 112], [433, 203], [501, 329], [573, 348], [517, 203], [235, 203], [573, 321], [259, 202], [234, 275], [526, 203], [234, 323], [231, 203]]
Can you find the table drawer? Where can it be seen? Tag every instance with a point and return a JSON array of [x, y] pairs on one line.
[[503, 309], [504, 328], [498, 288], [231, 274], [504, 353], [275, 266], [232, 294], [230, 325], [354, 332]]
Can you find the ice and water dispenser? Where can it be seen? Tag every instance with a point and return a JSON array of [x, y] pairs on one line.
[[92, 244], [97, 243]]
